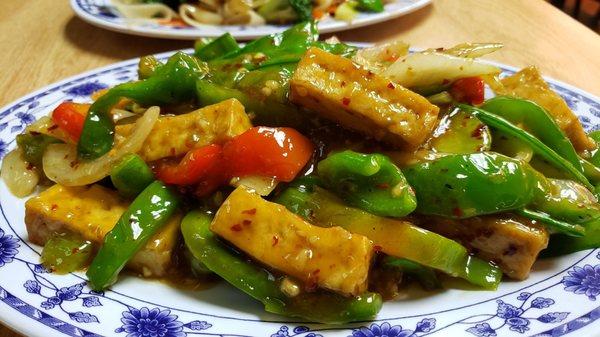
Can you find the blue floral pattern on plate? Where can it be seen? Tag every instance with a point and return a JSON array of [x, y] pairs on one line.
[[541, 306]]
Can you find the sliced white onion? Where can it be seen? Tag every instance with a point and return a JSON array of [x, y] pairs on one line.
[[259, 185], [472, 50], [374, 58], [138, 11], [198, 17], [46, 126], [20, 178], [432, 68], [62, 166]]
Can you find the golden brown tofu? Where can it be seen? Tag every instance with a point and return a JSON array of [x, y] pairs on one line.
[[331, 258], [358, 99], [510, 241], [176, 135], [529, 84], [92, 212]]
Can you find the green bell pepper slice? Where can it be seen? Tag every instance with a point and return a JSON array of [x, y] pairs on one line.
[[595, 159], [131, 176], [33, 145], [536, 145], [285, 47], [147, 66], [568, 201], [320, 306], [280, 48], [561, 244], [424, 275], [66, 252], [216, 48], [535, 120], [463, 186], [174, 82], [460, 133], [375, 6], [552, 223], [266, 112], [370, 182], [393, 237], [145, 216], [277, 11], [303, 9]]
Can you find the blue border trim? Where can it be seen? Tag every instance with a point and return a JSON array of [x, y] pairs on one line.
[[42, 317], [572, 325]]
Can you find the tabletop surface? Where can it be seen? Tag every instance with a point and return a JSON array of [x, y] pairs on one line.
[[44, 42]]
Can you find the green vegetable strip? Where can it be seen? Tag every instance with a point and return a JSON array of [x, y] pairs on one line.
[[131, 175], [276, 11], [295, 40], [395, 238], [65, 253], [424, 275], [267, 112], [174, 82], [303, 9], [468, 185], [536, 121], [561, 244], [370, 6], [559, 226], [595, 159], [537, 146], [261, 285], [34, 145], [219, 47], [144, 217], [368, 181]]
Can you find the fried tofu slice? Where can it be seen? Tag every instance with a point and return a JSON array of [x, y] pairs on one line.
[[358, 99], [529, 84], [331, 258], [510, 241], [92, 212], [176, 135]]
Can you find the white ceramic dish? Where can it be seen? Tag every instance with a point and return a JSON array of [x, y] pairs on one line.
[[558, 299], [100, 13]]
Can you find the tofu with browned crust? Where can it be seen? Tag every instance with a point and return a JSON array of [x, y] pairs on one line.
[[176, 135], [512, 242], [359, 99], [331, 258], [92, 212]]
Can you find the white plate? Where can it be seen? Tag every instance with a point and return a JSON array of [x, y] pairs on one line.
[[100, 13], [558, 298]]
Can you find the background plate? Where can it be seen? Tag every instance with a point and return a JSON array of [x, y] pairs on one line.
[[558, 298], [100, 13]]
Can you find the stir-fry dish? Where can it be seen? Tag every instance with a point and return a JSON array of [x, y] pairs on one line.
[[303, 171], [199, 13]]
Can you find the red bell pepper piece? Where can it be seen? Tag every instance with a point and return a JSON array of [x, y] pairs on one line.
[[196, 166], [70, 118], [271, 152], [468, 90]]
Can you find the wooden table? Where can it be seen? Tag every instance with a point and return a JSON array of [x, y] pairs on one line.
[[44, 42]]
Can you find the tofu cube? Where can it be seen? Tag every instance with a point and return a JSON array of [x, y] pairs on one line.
[[92, 212], [342, 91], [330, 258], [175, 135]]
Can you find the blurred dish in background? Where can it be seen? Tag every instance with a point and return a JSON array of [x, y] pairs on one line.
[[243, 19]]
